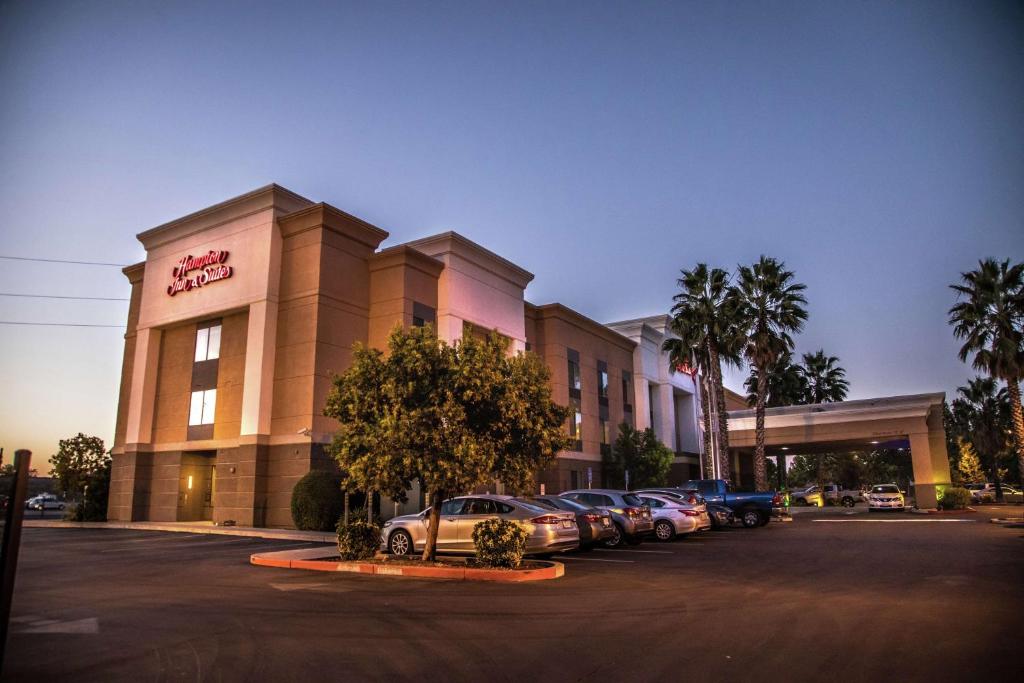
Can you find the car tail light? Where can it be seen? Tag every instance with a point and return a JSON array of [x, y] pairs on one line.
[[776, 500], [591, 517], [690, 513], [634, 513], [547, 519]]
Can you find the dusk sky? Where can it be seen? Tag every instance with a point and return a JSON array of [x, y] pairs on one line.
[[875, 147]]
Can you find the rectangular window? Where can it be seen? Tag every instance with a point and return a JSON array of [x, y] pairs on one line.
[[576, 383], [574, 480], [606, 446], [650, 403], [202, 408], [576, 423], [208, 343], [602, 379]]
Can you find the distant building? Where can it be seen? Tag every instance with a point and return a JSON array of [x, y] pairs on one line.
[[241, 312]]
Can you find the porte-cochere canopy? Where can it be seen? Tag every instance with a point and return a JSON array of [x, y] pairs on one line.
[[913, 422]]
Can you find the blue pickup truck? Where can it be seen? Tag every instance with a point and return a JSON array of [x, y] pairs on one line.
[[752, 509]]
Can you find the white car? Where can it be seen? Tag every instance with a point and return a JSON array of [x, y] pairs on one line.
[[986, 493], [674, 517], [44, 501], [885, 497]]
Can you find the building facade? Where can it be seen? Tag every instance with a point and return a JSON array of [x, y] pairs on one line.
[[242, 312]]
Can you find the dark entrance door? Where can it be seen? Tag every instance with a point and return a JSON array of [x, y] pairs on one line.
[[196, 486]]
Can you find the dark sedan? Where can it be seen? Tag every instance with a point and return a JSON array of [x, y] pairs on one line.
[[595, 525]]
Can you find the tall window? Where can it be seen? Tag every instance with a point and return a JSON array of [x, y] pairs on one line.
[[606, 446], [602, 380], [576, 423], [574, 375], [627, 398], [208, 343], [202, 408]]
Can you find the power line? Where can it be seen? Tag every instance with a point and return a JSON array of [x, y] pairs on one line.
[[18, 322], [58, 296], [55, 260]]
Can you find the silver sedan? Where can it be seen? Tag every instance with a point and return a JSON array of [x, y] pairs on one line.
[[550, 531], [674, 517]]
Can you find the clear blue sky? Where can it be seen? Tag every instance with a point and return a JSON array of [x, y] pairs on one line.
[[876, 147]]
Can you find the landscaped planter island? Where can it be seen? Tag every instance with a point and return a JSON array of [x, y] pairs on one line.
[[326, 560]]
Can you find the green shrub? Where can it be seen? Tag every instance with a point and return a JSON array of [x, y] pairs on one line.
[[317, 501], [955, 498], [92, 507], [499, 543], [358, 540]]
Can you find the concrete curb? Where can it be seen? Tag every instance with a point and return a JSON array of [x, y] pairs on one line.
[[274, 534], [307, 559], [1012, 522]]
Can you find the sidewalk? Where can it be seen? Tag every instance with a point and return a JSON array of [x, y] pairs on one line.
[[190, 528]]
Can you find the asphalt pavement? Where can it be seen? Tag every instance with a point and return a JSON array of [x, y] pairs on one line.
[[835, 596]]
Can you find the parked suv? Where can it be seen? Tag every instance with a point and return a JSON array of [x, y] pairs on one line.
[[632, 519]]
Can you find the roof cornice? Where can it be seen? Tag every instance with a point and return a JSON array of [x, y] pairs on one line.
[[270, 196]]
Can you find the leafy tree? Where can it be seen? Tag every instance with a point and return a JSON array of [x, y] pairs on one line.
[[786, 383], [704, 320], [989, 318], [824, 380], [77, 462], [770, 308], [968, 464], [450, 417], [982, 410], [642, 455]]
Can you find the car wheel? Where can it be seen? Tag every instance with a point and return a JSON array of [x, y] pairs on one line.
[[849, 502], [400, 543], [750, 518], [616, 540], [664, 531]]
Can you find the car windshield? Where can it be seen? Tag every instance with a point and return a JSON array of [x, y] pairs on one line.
[[630, 499], [885, 489]]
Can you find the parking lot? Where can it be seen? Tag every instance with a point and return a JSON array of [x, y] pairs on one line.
[[849, 597]]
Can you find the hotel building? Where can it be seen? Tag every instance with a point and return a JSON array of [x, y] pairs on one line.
[[242, 312]]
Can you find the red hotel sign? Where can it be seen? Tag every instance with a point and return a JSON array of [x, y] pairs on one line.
[[210, 266]]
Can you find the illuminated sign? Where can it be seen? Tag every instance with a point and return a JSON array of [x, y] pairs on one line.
[[210, 267]]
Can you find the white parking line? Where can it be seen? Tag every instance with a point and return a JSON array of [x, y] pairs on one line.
[[595, 559], [626, 550], [209, 544], [894, 521]]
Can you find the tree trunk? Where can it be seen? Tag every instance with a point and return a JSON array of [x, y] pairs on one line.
[[346, 508], [1017, 418], [760, 473], [723, 419], [430, 547], [705, 406]]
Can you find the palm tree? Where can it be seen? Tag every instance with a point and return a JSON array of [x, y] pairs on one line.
[[982, 412], [786, 383], [703, 319], [989, 317], [770, 308], [825, 381]]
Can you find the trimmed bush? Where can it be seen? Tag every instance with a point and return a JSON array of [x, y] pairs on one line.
[[955, 498], [358, 540], [499, 543], [317, 501]]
